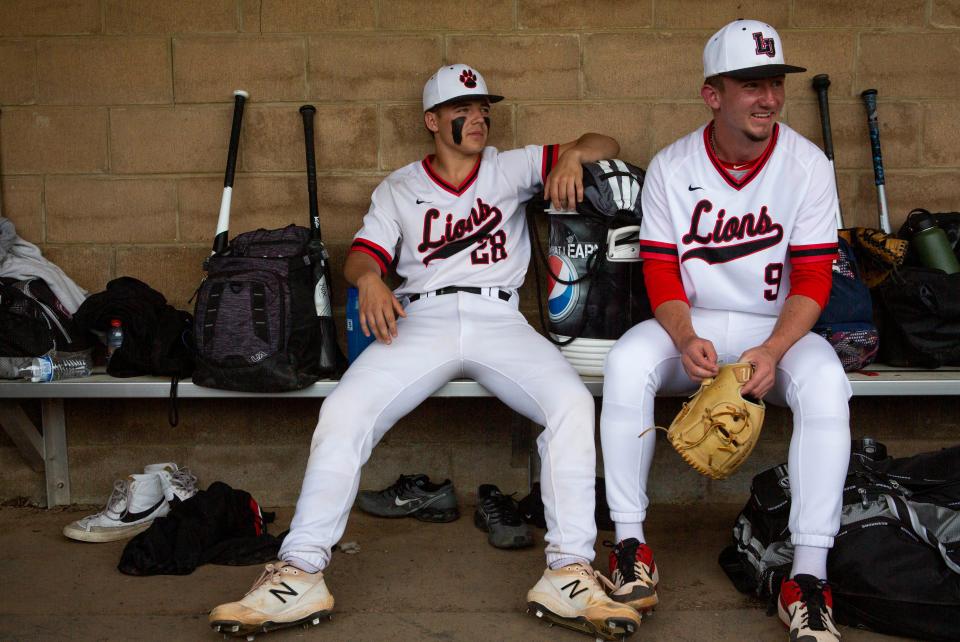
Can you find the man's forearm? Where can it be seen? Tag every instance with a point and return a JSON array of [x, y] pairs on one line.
[[359, 265], [674, 317], [593, 147], [797, 317]]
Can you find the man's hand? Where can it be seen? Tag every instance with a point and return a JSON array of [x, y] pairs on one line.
[[379, 308], [764, 371], [699, 358], [564, 186]]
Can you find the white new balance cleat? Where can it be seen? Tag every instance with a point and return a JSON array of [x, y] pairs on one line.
[[178, 483], [572, 597], [133, 505], [283, 596]]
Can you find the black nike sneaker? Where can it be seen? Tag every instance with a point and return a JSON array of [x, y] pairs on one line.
[[499, 515], [412, 496]]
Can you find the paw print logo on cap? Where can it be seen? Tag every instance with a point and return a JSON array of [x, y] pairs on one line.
[[468, 78]]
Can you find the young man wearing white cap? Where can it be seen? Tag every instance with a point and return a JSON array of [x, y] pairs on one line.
[[738, 238], [453, 228]]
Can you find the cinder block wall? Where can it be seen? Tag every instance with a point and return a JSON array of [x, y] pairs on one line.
[[116, 117]]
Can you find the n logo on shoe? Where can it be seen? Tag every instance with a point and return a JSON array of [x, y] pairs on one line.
[[277, 593], [573, 586]]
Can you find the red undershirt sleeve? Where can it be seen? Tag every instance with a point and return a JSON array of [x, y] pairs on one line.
[[811, 279], [662, 279]]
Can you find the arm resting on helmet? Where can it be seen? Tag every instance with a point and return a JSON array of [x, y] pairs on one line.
[[564, 186]]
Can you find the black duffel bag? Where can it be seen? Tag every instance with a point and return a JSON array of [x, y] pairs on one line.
[[895, 563], [920, 318]]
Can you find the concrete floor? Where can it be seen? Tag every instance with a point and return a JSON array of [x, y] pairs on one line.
[[410, 581]]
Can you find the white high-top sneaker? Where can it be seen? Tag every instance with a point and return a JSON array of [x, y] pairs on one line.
[[133, 505], [572, 597], [177, 482], [283, 596]]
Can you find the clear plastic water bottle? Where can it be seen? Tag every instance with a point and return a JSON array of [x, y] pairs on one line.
[[114, 337], [48, 369]]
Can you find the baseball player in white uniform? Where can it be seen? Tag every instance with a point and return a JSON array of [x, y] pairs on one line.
[[454, 227], [738, 238]]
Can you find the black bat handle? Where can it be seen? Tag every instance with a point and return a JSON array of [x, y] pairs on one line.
[[870, 100], [308, 112], [239, 98], [821, 82]]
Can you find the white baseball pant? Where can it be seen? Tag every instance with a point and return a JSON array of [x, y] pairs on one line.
[[810, 380], [444, 337]]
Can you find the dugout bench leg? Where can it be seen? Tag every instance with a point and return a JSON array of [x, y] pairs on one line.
[[44, 451]]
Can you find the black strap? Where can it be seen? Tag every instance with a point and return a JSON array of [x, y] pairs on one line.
[[503, 295], [258, 308], [210, 314]]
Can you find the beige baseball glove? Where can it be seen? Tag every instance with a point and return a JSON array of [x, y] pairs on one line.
[[717, 429]]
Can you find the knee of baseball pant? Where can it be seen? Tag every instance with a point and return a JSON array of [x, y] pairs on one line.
[[573, 420], [342, 424], [825, 394]]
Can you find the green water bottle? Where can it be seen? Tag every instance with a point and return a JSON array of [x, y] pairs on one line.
[[932, 243]]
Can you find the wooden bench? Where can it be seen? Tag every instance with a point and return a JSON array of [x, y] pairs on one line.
[[45, 447]]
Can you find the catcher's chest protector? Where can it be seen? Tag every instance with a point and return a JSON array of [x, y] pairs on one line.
[[717, 429]]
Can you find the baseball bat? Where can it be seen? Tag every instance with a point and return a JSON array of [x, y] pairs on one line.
[[821, 82], [870, 100], [223, 220], [332, 359]]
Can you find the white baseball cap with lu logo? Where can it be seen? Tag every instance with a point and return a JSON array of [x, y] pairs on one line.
[[746, 49], [455, 82]]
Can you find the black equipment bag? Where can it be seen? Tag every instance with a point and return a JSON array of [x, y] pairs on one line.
[[33, 321], [156, 336], [920, 318], [846, 322], [256, 326], [895, 564]]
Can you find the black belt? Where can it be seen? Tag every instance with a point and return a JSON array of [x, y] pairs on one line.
[[503, 295]]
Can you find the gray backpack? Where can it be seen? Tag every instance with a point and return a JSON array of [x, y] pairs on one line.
[[255, 324]]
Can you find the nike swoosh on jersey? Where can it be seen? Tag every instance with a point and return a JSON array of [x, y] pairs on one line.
[[132, 517], [404, 502], [421, 202], [691, 188]]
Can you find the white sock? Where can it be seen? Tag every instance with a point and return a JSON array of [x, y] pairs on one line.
[[810, 560], [566, 560], [628, 530], [303, 565]]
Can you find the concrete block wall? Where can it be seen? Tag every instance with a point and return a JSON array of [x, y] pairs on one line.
[[116, 120]]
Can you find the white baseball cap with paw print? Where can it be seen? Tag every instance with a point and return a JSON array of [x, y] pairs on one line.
[[455, 82]]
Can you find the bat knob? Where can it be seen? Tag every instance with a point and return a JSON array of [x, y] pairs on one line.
[[240, 92], [308, 109], [868, 92], [821, 81]]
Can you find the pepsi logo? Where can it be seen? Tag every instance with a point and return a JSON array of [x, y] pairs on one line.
[[562, 298]]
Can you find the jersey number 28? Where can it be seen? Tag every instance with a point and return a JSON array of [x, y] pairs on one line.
[[490, 250]]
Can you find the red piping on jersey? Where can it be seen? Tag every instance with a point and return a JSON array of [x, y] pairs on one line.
[[550, 155], [658, 251], [814, 252], [663, 282], [812, 280], [456, 191], [377, 253], [757, 164]]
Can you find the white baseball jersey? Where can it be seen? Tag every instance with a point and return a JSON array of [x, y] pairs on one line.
[[472, 235], [735, 238]]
